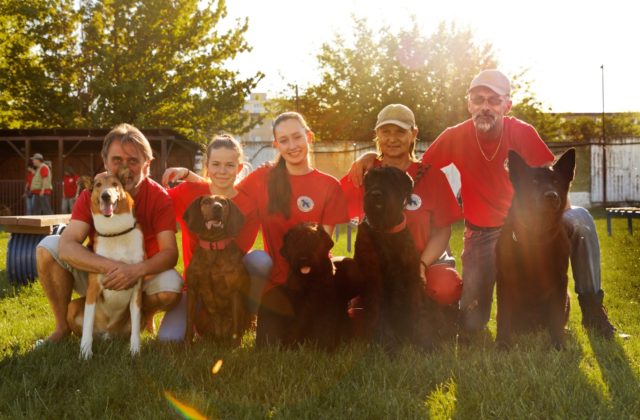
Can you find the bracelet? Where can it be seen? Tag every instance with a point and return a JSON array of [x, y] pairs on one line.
[[186, 176]]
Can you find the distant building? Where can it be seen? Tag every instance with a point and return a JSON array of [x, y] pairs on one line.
[[257, 142]]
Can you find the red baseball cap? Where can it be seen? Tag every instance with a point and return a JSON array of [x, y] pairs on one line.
[[444, 285]]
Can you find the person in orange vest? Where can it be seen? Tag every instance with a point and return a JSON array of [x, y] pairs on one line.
[[41, 186]]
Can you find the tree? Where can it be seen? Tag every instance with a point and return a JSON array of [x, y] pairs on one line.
[[529, 109], [430, 74], [589, 129], [96, 63]]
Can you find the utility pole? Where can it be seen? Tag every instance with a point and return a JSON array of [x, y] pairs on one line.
[[604, 147], [297, 99]]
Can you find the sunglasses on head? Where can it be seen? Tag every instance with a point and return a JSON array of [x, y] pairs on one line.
[[492, 100]]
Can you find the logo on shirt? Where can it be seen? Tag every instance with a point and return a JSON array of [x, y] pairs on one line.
[[305, 204], [414, 202]]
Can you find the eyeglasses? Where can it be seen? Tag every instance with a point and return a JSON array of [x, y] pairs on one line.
[[492, 100]]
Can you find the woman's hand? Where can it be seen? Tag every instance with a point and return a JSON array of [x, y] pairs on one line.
[[360, 166], [172, 175]]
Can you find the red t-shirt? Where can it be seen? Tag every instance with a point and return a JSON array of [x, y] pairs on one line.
[[182, 196], [486, 189], [315, 197], [432, 203], [70, 185], [153, 211]]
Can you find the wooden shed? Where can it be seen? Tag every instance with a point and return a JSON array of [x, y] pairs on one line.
[[80, 149]]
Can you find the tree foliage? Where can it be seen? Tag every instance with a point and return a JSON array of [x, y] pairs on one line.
[[430, 74], [96, 63], [589, 128]]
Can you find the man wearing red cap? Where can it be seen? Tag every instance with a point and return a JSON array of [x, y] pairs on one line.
[[478, 147]]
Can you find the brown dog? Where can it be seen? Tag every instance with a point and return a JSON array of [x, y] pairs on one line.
[[216, 277]]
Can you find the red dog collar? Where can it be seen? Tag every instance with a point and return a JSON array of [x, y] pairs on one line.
[[397, 228], [215, 245]]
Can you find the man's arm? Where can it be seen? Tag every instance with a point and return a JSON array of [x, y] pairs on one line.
[[123, 276], [77, 255]]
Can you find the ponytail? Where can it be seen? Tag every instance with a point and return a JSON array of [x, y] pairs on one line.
[[279, 189]]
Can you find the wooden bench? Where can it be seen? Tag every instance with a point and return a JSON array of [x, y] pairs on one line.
[[629, 212], [26, 233]]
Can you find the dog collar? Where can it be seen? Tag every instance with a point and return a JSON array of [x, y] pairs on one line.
[[400, 226], [112, 235], [215, 245]]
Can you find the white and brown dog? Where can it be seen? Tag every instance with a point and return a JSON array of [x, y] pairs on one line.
[[118, 237]]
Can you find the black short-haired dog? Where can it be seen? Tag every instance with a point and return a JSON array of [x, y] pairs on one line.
[[532, 253], [393, 298], [310, 306]]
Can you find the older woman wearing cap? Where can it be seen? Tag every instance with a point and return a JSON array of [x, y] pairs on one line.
[[478, 147], [433, 207]]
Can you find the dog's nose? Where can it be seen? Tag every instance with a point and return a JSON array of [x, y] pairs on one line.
[[105, 196], [552, 197]]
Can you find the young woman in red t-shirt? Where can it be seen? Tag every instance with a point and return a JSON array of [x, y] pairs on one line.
[[287, 193], [223, 163]]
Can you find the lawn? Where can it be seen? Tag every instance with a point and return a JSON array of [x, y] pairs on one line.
[[592, 378]]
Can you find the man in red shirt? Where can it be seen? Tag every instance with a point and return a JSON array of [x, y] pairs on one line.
[[478, 147], [63, 261]]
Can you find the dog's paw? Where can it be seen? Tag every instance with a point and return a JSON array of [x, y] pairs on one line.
[[134, 348], [85, 351]]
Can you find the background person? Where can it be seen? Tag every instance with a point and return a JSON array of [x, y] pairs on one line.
[[63, 261], [69, 189], [28, 197], [41, 186]]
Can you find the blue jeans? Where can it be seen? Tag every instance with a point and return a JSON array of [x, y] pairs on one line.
[[479, 270], [257, 262]]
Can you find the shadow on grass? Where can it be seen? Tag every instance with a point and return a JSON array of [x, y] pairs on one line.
[[530, 380], [621, 380]]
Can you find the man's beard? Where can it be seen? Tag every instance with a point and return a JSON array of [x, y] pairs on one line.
[[485, 121]]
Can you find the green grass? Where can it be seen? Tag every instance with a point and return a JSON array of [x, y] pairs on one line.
[[592, 378]]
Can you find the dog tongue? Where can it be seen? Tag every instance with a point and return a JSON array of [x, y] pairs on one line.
[[107, 208], [305, 270]]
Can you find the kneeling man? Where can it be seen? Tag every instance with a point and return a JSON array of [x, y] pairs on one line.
[[64, 262]]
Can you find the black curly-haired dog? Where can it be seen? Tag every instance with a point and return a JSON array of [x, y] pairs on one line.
[[393, 299], [310, 306], [532, 253]]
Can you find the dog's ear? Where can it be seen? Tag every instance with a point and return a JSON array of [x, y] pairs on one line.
[[284, 250], [193, 216], [516, 166], [566, 165], [235, 219], [122, 174], [404, 183], [327, 242]]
